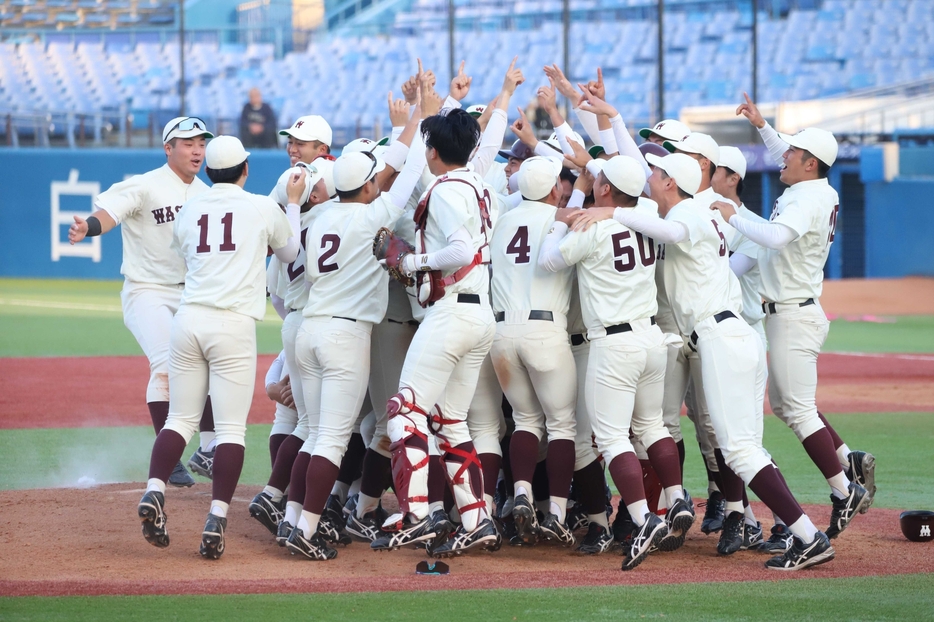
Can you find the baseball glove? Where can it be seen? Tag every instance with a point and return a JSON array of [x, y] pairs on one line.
[[389, 250]]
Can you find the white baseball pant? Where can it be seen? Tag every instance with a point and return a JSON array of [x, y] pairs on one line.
[[290, 326], [148, 310], [388, 345], [286, 418], [585, 450], [485, 420]]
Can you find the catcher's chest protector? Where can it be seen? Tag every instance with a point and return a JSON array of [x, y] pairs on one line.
[[430, 285]]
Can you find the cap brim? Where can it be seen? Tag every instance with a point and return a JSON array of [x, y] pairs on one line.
[[507, 154], [654, 160], [383, 141], [672, 146], [304, 139], [645, 132], [596, 150], [188, 134]]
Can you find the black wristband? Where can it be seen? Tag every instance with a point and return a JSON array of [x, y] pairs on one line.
[[94, 227]]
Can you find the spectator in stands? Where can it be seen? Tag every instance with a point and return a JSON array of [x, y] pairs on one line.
[[258, 123]]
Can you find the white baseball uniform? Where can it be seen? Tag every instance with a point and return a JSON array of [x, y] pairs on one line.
[[285, 418], [585, 450], [146, 206], [223, 235], [531, 353], [751, 281]]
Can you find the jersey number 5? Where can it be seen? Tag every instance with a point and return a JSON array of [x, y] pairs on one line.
[[331, 242], [722, 239], [227, 245], [646, 251], [519, 245]]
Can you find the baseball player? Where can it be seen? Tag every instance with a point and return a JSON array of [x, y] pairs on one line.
[[697, 277], [222, 235], [348, 295], [628, 354], [443, 362], [531, 353], [309, 138], [147, 206], [796, 243]]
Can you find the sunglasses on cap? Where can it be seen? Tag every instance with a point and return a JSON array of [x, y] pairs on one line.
[[186, 124], [372, 167]]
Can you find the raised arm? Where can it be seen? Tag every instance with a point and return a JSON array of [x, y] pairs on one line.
[[492, 139], [770, 138]]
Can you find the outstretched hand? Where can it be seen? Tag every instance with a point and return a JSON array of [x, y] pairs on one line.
[[523, 129], [751, 112], [726, 209], [399, 110], [513, 78], [561, 82], [591, 216], [460, 85]]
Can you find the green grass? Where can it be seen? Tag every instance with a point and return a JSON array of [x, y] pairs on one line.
[[909, 597], [82, 318], [38, 458], [908, 334]]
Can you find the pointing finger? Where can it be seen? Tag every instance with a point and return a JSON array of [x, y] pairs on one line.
[[460, 71], [513, 63]]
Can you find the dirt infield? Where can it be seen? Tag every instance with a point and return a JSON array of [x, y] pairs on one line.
[[106, 554], [909, 296]]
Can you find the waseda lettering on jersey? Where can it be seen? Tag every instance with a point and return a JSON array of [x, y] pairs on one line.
[[166, 214]]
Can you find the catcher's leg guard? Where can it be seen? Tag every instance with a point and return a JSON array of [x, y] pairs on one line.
[[408, 431], [465, 476]]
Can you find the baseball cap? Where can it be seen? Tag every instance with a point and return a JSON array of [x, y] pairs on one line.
[[681, 167], [519, 150], [352, 170], [476, 110], [555, 144], [625, 174], [596, 151], [225, 152], [310, 127], [326, 170], [820, 143], [733, 159], [312, 176], [537, 176], [185, 127], [701, 144], [669, 129], [360, 144], [647, 148]]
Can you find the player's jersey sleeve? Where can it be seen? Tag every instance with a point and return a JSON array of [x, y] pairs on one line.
[[575, 246], [691, 221], [381, 213], [449, 209], [279, 229], [124, 199], [797, 217]]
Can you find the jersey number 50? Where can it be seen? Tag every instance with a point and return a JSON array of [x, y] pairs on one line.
[[625, 255]]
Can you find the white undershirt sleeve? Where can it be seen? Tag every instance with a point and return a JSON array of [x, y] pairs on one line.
[[457, 254], [449, 102], [608, 141], [549, 255], [275, 370], [577, 199], [395, 155], [776, 146], [289, 252], [411, 173], [659, 229], [589, 122], [396, 133], [627, 146], [490, 142], [740, 264], [773, 235], [279, 305]]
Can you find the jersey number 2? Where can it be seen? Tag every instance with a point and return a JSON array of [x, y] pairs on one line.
[[227, 245], [519, 245], [332, 242], [646, 251]]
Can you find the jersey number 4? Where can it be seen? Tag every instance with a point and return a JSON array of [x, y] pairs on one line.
[[227, 245], [625, 254], [519, 245]]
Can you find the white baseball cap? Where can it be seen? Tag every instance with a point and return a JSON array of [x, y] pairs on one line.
[[701, 144], [352, 170], [625, 174], [820, 143], [476, 110], [537, 176], [681, 167], [311, 174], [555, 144], [669, 129], [185, 127], [325, 168], [310, 127], [360, 144], [733, 159], [225, 152]]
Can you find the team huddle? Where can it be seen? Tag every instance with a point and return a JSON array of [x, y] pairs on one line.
[[488, 340]]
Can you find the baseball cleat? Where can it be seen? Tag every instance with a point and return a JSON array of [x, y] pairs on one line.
[[366, 528], [845, 510], [862, 470], [679, 518], [180, 477], [597, 541], [752, 536], [313, 548], [334, 512], [332, 533], [644, 540], [350, 507], [266, 511], [499, 498], [152, 514], [623, 528], [212, 538], [714, 513], [553, 529], [202, 463], [779, 541], [283, 532], [408, 534], [577, 518], [441, 525], [523, 515], [802, 555], [731, 538], [485, 536]]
